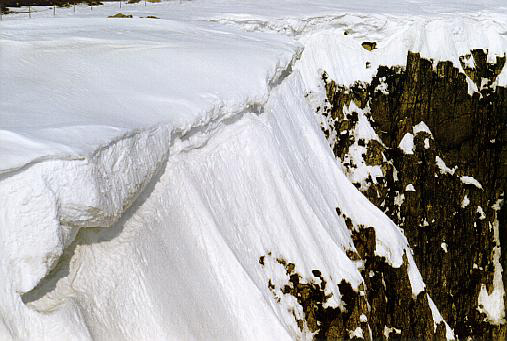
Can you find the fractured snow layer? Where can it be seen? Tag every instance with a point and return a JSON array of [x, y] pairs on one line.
[[72, 85], [153, 161], [182, 262], [56, 71]]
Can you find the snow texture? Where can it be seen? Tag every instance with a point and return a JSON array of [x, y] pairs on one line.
[[147, 164], [410, 188], [365, 132]]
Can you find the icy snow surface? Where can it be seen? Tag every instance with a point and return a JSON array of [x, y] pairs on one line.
[[150, 163]]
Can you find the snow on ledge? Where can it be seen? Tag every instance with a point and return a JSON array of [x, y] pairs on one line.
[[102, 147], [443, 167], [469, 180], [407, 144], [422, 127], [437, 318]]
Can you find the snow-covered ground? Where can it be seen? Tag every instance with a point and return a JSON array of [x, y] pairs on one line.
[[183, 148]]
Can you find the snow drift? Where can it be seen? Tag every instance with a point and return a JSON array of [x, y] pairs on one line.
[[147, 165]]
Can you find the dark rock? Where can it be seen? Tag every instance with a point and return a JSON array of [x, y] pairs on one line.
[[452, 245], [369, 45], [120, 15], [384, 300]]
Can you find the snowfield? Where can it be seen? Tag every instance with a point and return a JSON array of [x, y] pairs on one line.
[[146, 165]]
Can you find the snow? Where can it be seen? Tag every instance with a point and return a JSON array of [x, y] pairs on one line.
[[98, 86], [154, 161], [399, 199], [439, 36], [480, 211], [437, 318], [363, 131], [358, 332], [407, 144], [465, 202], [492, 303], [426, 143], [409, 188], [389, 330], [469, 180], [426, 26], [443, 167], [421, 127], [168, 259], [407, 141]]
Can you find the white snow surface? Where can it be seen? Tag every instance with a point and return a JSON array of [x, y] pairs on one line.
[[443, 168], [470, 180], [180, 150], [407, 141], [152, 71], [437, 318], [409, 188], [362, 131], [407, 144], [72, 85], [421, 127], [492, 302]]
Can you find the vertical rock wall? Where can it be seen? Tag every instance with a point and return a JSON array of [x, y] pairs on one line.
[[442, 160]]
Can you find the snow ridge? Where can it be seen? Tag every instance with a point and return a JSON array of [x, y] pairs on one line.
[[175, 183]]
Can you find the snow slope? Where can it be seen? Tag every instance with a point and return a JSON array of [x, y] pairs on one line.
[[56, 72], [70, 86], [153, 161], [182, 262]]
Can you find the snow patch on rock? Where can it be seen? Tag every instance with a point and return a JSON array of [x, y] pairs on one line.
[[492, 303], [469, 180]]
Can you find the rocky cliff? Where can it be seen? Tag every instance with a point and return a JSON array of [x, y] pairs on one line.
[[427, 144]]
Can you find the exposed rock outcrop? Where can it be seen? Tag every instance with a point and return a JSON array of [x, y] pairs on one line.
[[382, 308], [437, 165]]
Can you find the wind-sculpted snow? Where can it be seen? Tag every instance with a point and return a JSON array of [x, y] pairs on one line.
[[70, 86], [443, 38], [73, 84], [192, 241], [148, 164]]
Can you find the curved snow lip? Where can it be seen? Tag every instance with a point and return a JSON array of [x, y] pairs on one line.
[[96, 190], [103, 80], [439, 38]]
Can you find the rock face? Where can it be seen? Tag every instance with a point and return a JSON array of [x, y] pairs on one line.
[[382, 308], [434, 159]]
